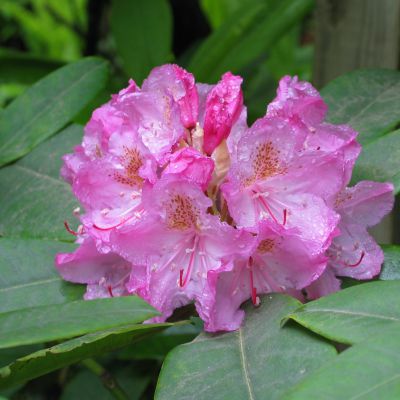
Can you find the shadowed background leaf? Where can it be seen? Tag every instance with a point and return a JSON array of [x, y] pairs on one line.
[[49, 105]]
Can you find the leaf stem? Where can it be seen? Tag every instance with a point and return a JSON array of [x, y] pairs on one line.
[[109, 382]]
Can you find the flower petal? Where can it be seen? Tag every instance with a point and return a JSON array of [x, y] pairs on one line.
[[298, 99], [223, 107], [367, 202], [87, 265], [354, 252], [326, 284], [179, 84], [189, 164]]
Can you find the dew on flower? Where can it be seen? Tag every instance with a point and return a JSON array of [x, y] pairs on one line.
[[183, 202]]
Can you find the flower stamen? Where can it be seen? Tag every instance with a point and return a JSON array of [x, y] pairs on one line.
[[254, 298], [267, 207], [69, 230], [136, 214], [181, 277], [188, 272], [357, 263]]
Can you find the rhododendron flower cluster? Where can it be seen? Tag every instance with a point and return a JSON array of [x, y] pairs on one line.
[[184, 203]]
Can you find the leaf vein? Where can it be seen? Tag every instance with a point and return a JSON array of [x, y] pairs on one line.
[[243, 360], [357, 313]]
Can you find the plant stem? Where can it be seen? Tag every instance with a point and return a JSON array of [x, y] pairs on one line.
[[108, 380]]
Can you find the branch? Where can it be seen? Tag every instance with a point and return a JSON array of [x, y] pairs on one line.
[[108, 380]]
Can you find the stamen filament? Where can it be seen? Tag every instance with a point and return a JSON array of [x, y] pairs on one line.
[[190, 266], [181, 277], [119, 223], [189, 270], [357, 263], [254, 298], [114, 226], [69, 230], [266, 206]]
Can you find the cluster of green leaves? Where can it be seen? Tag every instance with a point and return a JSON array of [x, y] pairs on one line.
[[259, 40], [343, 346]]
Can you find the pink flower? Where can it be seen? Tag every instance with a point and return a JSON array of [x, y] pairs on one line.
[[177, 244], [191, 165], [105, 274], [223, 107], [271, 180], [184, 203], [298, 101], [354, 253], [303, 107], [278, 262]]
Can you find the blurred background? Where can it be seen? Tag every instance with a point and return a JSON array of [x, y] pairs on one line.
[[260, 39]]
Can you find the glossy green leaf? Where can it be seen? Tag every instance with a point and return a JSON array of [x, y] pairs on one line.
[[378, 163], [353, 314], [63, 321], [368, 100], [18, 67], [142, 32], [49, 105], [367, 371], [28, 277], [34, 200], [246, 36], [391, 266], [72, 351], [259, 361]]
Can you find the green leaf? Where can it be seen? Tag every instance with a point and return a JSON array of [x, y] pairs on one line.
[[72, 351], [143, 34], [247, 35], [368, 100], [63, 321], [24, 68], [49, 105], [28, 276], [353, 314], [259, 361], [158, 346], [376, 163], [368, 370], [391, 266], [8, 356], [217, 11], [34, 200]]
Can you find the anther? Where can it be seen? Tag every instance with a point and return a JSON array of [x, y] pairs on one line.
[[69, 230]]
